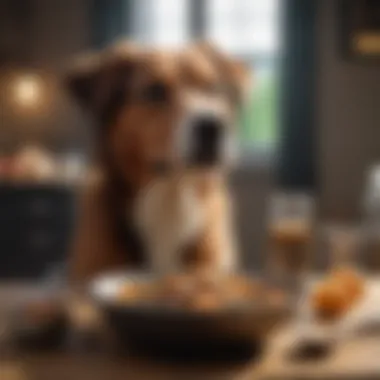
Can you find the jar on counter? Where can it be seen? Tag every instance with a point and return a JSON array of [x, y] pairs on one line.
[[371, 220]]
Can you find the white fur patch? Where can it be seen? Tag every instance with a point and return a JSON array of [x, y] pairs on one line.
[[169, 214]]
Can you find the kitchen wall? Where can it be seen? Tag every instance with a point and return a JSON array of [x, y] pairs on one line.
[[60, 30], [40, 36], [43, 31], [348, 123]]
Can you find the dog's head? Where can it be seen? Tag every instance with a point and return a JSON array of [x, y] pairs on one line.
[[160, 111]]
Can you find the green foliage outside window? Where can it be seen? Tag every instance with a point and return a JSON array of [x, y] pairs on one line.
[[259, 117]]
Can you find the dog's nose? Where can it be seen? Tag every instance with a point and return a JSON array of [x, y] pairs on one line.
[[207, 139]]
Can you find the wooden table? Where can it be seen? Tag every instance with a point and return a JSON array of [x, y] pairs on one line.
[[357, 358]]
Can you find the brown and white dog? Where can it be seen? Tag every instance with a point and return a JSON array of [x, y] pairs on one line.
[[165, 137]]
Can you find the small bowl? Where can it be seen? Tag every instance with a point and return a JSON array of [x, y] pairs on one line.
[[40, 324], [149, 328]]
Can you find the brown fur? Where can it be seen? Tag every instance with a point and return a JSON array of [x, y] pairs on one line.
[[134, 134]]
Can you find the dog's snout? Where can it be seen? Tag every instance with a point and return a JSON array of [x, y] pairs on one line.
[[208, 133], [208, 128]]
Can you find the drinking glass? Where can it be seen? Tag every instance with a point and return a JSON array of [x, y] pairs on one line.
[[290, 229]]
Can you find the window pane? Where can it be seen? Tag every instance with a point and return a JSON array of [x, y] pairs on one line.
[[242, 26], [250, 29], [259, 124], [161, 22]]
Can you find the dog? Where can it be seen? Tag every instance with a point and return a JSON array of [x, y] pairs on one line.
[[156, 196]]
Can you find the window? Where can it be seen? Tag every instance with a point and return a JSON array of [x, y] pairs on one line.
[[247, 29], [244, 27], [161, 22]]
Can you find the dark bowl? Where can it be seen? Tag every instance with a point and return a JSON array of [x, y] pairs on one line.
[[46, 329], [49, 336], [180, 334]]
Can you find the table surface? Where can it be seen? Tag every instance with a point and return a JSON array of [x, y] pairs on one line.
[[356, 358]]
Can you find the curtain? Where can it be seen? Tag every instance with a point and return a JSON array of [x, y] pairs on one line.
[[111, 20], [297, 161]]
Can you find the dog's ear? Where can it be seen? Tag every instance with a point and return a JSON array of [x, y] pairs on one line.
[[237, 75], [99, 82], [82, 77]]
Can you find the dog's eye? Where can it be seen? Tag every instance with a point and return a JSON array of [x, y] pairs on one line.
[[155, 93]]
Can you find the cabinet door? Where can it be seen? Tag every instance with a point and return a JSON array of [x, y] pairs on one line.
[[35, 230]]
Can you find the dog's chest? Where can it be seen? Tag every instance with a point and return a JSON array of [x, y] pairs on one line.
[[169, 214]]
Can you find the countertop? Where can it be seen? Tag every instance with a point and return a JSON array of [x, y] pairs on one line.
[[357, 357]]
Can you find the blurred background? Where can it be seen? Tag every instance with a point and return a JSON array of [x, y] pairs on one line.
[[311, 124]]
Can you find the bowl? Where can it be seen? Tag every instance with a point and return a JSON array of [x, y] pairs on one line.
[[145, 327], [40, 324]]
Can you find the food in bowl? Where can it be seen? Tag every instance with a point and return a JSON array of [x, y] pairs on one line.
[[201, 292]]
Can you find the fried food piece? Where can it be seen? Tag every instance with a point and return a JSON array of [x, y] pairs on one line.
[[338, 293], [239, 288], [257, 290], [330, 301], [131, 292], [208, 283], [351, 281], [178, 281], [197, 291], [175, 286], [201, 288], [181, 289], [204, 301]]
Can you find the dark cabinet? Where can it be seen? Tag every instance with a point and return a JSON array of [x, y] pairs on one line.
[[36, 225]]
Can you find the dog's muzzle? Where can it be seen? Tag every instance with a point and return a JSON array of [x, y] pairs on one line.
[[207, 140]]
